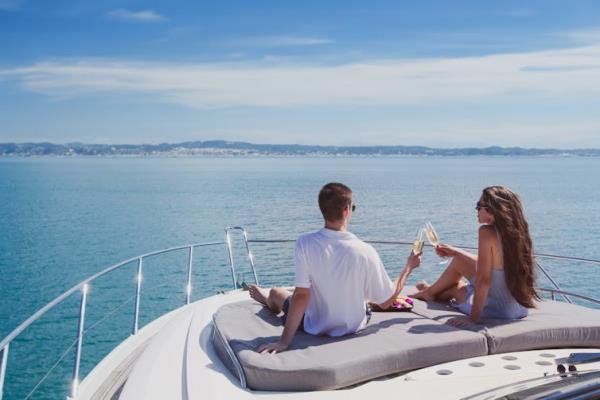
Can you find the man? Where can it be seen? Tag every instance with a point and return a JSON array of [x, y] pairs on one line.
[[336, 274]]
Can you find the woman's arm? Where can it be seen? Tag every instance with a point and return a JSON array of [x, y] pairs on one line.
[[445, 250], [483, 276]]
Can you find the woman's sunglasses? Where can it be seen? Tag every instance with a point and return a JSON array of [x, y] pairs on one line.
[[480, 205]]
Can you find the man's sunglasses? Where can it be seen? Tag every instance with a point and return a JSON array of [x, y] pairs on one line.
[[352, 206]]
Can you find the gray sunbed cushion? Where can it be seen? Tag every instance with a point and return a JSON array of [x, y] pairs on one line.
[[551, 324], [440, 312], [392, 343]]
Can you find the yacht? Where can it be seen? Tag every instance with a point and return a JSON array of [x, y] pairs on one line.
[[206, 348]]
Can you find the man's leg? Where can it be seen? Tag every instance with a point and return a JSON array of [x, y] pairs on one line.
[[273, 299], [277, 297]]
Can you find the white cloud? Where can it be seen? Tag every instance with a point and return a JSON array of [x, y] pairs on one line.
[[137, 16], [280, 41], [583, 37], [543, 74], [563, 133]]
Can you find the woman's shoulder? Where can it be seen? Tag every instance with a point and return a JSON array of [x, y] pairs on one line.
[[487, 233]]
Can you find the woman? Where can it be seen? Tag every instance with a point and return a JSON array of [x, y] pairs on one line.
[[501, 275]]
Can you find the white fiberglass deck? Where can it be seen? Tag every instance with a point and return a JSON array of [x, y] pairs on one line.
[[177, 360]]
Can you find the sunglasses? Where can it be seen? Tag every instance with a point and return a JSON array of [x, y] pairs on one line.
[[352, 206], [480, 205]]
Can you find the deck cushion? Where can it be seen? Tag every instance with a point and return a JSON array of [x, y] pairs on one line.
[[552, 324], [392, 343]]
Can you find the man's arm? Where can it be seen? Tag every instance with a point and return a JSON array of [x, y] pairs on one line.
[[298, 305], [412, 262]]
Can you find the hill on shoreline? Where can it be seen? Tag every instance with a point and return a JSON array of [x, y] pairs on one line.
[[227, 148]]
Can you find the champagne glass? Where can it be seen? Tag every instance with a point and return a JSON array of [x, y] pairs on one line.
[[417, 247], [433, 239]]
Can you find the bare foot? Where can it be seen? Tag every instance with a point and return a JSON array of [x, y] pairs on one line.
[[422, 285], [258, 294], [423, 295]]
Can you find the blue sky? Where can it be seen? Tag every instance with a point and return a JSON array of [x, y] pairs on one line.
[[435, 73]]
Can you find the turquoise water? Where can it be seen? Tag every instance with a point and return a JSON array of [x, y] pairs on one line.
[[62, 220]]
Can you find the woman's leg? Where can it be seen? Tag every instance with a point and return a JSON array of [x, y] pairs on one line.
[[449, 283], [458, 293]]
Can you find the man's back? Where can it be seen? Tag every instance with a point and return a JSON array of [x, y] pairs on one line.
[[342, 272], [335, 274]]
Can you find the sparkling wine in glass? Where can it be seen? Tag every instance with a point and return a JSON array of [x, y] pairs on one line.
[[433, 238], [417, 247]]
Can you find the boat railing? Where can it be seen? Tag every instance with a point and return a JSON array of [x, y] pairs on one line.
[[83, 288]]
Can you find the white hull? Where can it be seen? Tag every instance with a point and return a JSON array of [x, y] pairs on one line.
[[173, 358]]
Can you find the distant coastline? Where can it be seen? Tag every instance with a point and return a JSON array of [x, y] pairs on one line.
[[227, 148]]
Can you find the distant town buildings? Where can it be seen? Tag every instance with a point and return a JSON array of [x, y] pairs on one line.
[[226, 148]]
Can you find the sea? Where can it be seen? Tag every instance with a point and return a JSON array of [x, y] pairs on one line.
[[64, 219]]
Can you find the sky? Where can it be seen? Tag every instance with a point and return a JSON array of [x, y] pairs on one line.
[[434, 73]]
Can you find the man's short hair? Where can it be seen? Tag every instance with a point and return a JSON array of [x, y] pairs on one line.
[[333, 198]]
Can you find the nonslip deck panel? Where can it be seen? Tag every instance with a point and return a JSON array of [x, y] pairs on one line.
[[392, 343]]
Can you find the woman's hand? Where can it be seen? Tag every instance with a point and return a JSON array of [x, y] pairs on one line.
[[460, 322], [445, 250], [272, 348]]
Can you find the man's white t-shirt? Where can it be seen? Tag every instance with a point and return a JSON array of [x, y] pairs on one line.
[[343, 273]]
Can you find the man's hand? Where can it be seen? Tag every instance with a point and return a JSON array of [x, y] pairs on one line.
[[272, 348], [413, 261], [298, 305]]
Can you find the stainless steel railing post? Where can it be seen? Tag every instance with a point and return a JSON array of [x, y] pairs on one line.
[[228, 244], [75, 381], [188, 288], [3, 362], [138, 289], [250, 256], [248, 252], [547, 275]]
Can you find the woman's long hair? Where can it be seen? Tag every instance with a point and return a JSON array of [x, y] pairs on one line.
[[517, 248]]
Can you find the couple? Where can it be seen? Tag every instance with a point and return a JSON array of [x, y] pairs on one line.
[[337, 274]]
